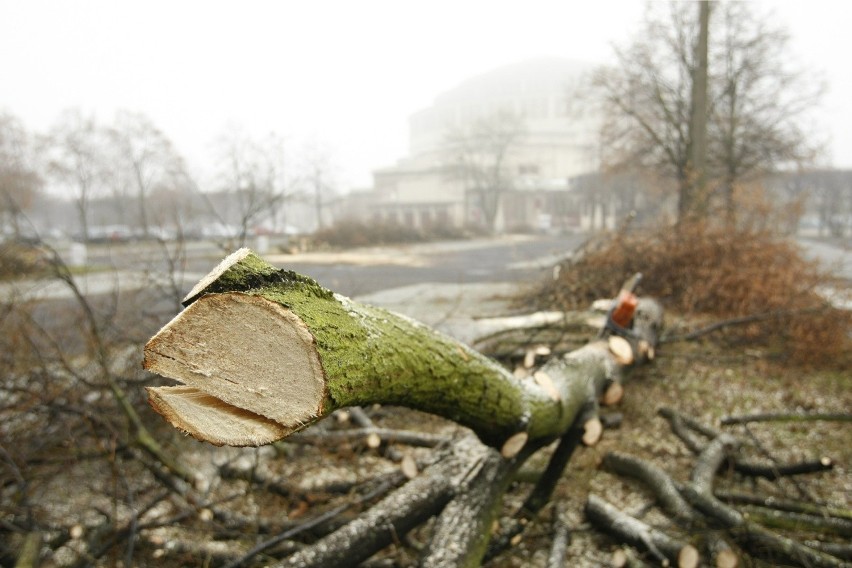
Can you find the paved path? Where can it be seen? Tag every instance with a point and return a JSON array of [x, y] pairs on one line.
[[353, 273], [834, 257]]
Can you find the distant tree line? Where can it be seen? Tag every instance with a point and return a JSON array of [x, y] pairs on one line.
[[707, 95], [126, 177]]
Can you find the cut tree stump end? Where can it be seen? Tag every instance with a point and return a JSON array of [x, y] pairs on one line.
[[212, 347]]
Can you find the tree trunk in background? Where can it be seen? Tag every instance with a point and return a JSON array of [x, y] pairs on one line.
[[694, 203]]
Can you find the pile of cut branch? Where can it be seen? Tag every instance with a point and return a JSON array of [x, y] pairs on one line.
[[757, 282], [727, 526]]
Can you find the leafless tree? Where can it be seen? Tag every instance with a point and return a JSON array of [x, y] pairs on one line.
[[75, 149], [760, 101], [317, 178], [20, 183], [830, 195], [756, 101], [252, 178], [145, 163], [479, 155]]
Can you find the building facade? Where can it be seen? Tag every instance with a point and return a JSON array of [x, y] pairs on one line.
[[557, 143]]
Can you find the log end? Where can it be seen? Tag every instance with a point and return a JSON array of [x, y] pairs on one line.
[[514, 445], [251, 366], [688, 557], [621, 350], [727, 558], [543, 380], [209, 419], [613, 394], [592, 431]]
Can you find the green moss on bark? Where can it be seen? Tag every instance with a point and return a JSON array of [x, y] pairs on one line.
[[370, 355]]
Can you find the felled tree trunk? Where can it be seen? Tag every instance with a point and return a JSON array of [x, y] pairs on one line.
[[264, 352]]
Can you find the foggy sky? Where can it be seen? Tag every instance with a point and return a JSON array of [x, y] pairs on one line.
[[342, 75]]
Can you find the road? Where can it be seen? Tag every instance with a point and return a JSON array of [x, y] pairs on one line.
[[510, 259], [131, 266], [836, 257]]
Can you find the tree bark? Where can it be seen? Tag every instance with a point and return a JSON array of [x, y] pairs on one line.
[[463, 529], [662, 485]]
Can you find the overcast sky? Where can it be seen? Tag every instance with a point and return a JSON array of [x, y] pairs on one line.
[[343, 74]]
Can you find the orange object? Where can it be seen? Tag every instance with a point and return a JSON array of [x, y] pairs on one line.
[[624, 309]]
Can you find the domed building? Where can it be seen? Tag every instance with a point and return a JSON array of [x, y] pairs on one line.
[[500, 151]]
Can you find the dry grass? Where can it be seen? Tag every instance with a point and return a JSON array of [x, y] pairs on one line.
[[352, 234], [712, 273]]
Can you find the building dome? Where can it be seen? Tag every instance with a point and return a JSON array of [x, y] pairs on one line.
[[537, 89]]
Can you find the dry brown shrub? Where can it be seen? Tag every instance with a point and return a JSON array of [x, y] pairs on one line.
[[20, 259], [712, 272]]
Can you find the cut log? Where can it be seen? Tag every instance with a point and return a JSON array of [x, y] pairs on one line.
[[654, 478], [786, 520], [709, 462], [540, 494], [372, 436], [787, 417], [264, 352], [463, 529], [561, 539], [637, 533], [761, 541], [411, 505], [770, 502]]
